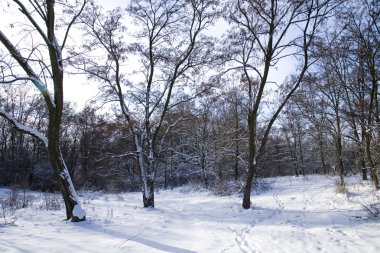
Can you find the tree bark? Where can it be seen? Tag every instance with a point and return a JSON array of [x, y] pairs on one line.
[[65, 183], [370, 162], [362, 162], [252, 163], [148, 193], [300, 148], [237, 137], [146, 169], [338, 151]]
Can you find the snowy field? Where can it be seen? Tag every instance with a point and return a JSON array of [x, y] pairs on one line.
[[291, 215]]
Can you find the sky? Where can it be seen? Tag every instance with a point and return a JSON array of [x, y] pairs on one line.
[[78, 89]]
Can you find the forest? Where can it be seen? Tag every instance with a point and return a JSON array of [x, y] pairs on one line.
[[213, 93]]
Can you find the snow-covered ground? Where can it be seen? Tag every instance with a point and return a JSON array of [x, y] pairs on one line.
[[293, 215]]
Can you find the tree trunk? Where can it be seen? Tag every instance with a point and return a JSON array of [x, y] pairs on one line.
[[146, 171], [66, 186], [338, 151], [237, 137], [171, 172], [368, 132], [324, 166], [363, 147], [166, 176], [248, 186], [203, 167], [237, 154], [148, 192], [375, 80], [300, 148], [375, 178], [295, 156], [251, 161], [363, 165], [371, 164]]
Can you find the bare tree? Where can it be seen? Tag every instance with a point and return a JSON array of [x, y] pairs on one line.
[[364, 26], [263, 33], [168, 49], [332, 92], [232, 101], [350, 54], [37, 58]]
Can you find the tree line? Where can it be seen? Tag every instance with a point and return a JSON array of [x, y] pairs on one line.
[[184, 106]]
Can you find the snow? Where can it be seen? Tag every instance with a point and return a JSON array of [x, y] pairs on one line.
[[291, 215], [79, 212]]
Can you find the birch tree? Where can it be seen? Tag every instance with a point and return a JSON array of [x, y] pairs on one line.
[[36, 59]]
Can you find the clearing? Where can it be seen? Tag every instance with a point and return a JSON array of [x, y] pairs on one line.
[[290, 215]]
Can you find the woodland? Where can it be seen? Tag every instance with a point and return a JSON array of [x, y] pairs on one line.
[[288, 88]]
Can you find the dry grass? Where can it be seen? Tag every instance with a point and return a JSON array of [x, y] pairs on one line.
[[339, 188]]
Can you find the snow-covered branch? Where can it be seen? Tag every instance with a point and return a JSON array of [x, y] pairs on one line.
[[22, 128]]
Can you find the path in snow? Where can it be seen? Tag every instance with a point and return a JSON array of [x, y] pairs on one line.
[[295, 215]]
